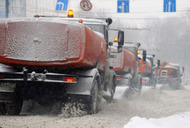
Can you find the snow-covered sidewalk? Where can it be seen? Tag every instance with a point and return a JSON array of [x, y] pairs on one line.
[[181, 120]]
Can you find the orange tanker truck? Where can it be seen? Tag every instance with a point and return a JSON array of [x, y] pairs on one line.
[[147, 70], [169, 74], [50, 59], [125, 64]]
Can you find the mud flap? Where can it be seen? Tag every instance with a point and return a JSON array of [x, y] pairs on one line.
[[135, 87], [109, 87]]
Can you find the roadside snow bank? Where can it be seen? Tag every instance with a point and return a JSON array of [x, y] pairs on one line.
[[176, 121]]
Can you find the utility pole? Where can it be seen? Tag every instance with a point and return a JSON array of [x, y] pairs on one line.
[[23, 8], [36, 7], [7, 9]]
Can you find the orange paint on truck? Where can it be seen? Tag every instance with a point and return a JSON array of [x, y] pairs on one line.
[[145, 69], [39, 43], [124, 62]]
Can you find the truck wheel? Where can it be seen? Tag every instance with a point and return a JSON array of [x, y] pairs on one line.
[[94, 98], [2, 109], [14, 108]]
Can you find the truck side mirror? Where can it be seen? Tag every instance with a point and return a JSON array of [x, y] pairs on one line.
[[144, 56], [120, 38], [158, 64], [108, 21], [138, 45], [183, 69]]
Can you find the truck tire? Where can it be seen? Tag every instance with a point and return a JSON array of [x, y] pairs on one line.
[[14, 108], [94, 101]]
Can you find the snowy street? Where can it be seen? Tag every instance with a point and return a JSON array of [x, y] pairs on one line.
[[156, 108]]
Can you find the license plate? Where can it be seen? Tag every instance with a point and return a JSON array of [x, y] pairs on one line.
[[8, 85]]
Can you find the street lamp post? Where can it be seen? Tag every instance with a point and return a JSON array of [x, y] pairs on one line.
[[7, 8]]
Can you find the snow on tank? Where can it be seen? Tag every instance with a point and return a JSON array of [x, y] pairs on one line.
[[50, 42], [171, 70], [124, 62]]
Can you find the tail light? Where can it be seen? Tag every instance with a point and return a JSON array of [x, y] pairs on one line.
[[70, 79], [143, 80], [117, 78]]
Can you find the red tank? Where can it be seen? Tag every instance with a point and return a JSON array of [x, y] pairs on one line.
[[169, 74], [145, 69], [168, 70], [50, 43], [124, 62]]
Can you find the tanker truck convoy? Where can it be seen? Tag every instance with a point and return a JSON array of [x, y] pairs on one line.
[[50, 59], [126, 66]]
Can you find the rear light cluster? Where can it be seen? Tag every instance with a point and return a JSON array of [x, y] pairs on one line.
[[70, 79], [117, 78], [143, 80]]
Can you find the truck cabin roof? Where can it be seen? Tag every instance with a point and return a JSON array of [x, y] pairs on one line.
[[77, 20]]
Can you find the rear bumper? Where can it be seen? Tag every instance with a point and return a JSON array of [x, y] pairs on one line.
[[35, 77], [163, 80], [45, 81], [171, 81], [46, 87], [25, 79]]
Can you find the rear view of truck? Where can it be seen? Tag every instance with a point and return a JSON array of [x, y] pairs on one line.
[[170, 74], [54, 59], [126, 66]]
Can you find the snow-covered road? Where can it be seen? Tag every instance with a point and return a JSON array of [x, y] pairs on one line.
[[152, 108]]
